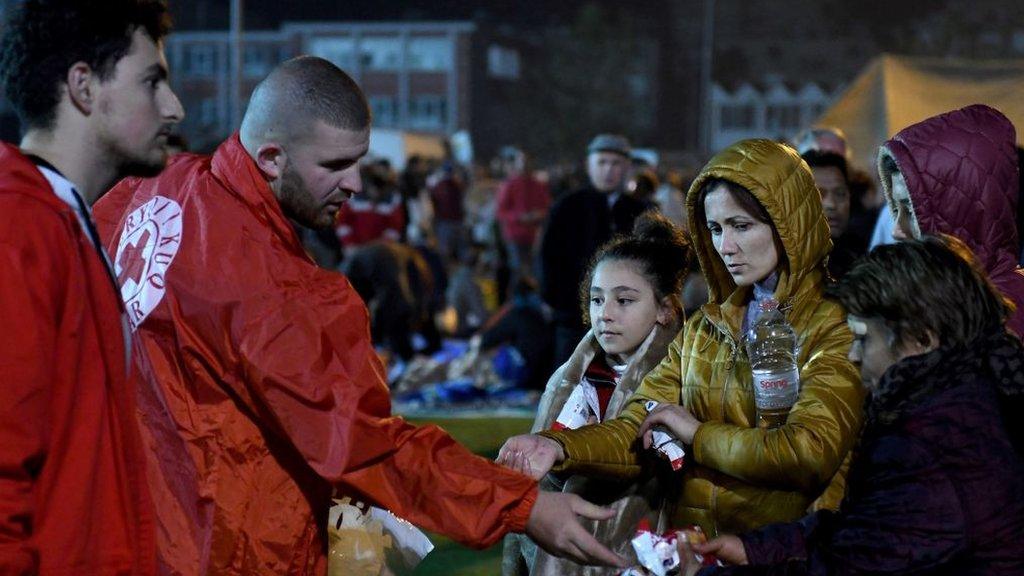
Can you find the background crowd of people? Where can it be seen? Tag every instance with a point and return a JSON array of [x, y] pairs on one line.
[[458, 242]]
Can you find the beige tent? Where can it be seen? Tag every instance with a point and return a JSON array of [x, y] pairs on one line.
[[894, 92]]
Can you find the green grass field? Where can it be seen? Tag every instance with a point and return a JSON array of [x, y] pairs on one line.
[[483, 436]]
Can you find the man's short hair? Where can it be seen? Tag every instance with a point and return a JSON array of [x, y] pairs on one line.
[[42, 39], [934, 285], [302, 90], [819, 159]]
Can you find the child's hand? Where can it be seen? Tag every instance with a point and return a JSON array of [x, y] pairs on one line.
[[530, 454], [677, 419]]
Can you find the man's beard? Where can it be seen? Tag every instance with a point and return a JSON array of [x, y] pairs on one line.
[[297, 203], [139, 166], [142, 169]]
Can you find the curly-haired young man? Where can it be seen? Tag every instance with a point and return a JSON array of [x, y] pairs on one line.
[[89, 83]]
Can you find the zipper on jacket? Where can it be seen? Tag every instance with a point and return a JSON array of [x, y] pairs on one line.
[[729, 366], [728, 340]]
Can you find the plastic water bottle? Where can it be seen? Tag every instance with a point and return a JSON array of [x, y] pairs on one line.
[[772, 350]]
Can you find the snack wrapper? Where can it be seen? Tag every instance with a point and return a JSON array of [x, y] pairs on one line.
[[578, 410], [665, 443], [659, 554], [656, 553], [366, 540]]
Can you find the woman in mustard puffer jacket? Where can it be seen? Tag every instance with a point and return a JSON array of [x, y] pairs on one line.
[[758, 233]]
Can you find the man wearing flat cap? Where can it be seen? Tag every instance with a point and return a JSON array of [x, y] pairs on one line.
[[578, 224]]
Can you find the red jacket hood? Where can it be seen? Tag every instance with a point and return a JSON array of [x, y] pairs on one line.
[[21, 176]]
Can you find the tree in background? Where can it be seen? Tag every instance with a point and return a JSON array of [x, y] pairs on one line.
[[597, 75]]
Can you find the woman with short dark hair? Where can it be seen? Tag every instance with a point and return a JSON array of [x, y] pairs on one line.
[[937, 482]]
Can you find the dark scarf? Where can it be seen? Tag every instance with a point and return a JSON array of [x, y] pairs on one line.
[[997, 357]]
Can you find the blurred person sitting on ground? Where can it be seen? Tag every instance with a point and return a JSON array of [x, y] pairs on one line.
[[761, 238], [631, 297], [521, 323], [395, 282], [89, 83], [957, 174], [465, 295], [937, 482], [523, 203], [265, 396], [837, 200], [378, 214], [578, 224]]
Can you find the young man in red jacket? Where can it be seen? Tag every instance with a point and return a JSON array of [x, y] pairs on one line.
[[88, 81], [269, 393]]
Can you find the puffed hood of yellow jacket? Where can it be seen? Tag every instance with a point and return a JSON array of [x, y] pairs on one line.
[[783, 183]]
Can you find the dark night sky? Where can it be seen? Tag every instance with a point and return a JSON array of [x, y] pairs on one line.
[[268, 14]]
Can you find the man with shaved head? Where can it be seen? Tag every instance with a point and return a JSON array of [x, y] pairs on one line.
[[263, 393]]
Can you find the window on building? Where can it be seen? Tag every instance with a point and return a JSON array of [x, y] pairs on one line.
[[502, 62], [429, 54], [385, 110], [428, 112], [782, 117], [201, 60], [380, 53], [736, 117], [339, 51]]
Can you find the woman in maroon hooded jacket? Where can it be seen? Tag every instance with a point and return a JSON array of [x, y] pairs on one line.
[[956, 173]]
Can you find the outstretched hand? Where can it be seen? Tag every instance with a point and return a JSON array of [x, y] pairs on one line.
[[554, 526], [530, 454]]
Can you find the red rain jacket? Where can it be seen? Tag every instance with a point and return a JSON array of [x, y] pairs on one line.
[[73, 496], [263, 389], [518, 195], [962, 175]]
